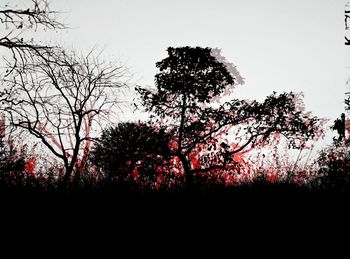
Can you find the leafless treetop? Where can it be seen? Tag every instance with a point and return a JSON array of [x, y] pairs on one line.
[[15, 21]]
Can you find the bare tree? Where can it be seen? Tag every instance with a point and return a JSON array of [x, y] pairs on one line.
[[15, 22], [60, 98]]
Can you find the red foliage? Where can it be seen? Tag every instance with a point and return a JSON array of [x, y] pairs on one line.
[[271, 176], [30, 166]]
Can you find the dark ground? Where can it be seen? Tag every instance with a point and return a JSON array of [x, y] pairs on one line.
[[222, 204], [218, 219]]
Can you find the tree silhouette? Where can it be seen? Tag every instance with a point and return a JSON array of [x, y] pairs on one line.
[[339, 126], [188, 83], [334, 168], [59, 99], [134, 152]]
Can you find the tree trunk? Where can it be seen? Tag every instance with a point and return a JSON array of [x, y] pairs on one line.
[[68, 173], [189, 183], [70, 168]]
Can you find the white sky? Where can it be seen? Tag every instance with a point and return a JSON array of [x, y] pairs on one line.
[[277, 45]]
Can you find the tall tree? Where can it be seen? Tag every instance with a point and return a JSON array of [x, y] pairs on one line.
[[188, 82], [59, 99]]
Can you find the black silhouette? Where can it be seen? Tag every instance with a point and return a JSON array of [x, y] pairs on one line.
[[59, 97], [347, 41], [346, 19], [339, 126], [11, 165], [334, 169], [188, 81], [133, 148]]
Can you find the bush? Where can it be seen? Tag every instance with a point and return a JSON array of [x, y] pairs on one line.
[[136, 153]]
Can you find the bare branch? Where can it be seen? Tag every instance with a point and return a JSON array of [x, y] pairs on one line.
[[58, 97], [15, 21]]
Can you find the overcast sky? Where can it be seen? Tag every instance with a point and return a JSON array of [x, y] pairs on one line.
[[277, 45]]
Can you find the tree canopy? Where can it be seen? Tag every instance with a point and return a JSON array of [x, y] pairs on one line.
[[188, 82]]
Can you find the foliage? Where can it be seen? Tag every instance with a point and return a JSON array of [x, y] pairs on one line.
[[10, 160], [12, 166], [334, 162], [188, 82], [136, 153]]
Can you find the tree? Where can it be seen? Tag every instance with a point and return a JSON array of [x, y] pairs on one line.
[[59, 99], [334, 167], [334, 161], [339, 126], [135, 152], [16, 21], [188, 82]]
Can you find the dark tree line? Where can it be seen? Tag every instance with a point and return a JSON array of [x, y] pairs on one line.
[[60, 97], [188, 81]]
